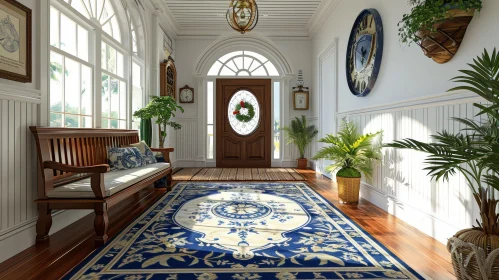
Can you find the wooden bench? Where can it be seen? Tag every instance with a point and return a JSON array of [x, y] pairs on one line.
[[77, 155]]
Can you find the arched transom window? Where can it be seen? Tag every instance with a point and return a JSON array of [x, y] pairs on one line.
[[243, 64], [101, 11]]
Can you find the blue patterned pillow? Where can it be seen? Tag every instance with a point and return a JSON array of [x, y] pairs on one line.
[[124, 158], [147, 155]]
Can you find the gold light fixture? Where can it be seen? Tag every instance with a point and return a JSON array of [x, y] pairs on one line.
[[242, 15]]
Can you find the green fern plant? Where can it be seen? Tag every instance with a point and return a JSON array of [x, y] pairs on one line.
[[474, 151], [300, 134], [351, 152]]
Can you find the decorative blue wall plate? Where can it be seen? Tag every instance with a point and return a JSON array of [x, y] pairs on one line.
[[364, 52]]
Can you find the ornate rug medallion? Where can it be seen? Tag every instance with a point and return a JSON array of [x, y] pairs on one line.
[[241, 220], [243, 231]]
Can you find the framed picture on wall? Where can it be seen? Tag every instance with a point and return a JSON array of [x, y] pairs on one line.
[[15, 41], [301, 100]]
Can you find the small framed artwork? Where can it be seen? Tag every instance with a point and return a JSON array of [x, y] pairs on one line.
[[301, 100], [15, 41]]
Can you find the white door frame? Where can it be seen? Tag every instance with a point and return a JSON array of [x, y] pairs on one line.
[[330, 51]]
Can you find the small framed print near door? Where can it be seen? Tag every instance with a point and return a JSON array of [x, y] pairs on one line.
[[301, 100]]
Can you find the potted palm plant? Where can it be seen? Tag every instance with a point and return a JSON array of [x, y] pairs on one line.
[[301, 135], [162, 108], [353, 154], [474, 153], [438, 26]]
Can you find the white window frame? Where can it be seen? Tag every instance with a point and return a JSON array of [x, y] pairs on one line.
[[95, 39]]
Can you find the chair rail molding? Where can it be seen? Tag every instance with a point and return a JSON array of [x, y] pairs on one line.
[[448, 98], [21, 94]]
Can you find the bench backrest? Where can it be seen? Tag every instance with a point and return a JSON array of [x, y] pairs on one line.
[[76, 147]]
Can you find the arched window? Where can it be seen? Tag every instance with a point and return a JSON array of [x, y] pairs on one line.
[[138, 62], [243, 64], [76, 98], [101, 11]]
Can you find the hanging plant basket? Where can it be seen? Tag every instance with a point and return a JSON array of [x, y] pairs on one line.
[[475, 255], [442, 43]]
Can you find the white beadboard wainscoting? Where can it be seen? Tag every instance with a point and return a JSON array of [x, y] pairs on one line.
[[399, 184], [290, 151], [19, 109], [186, 143], [190, 153]]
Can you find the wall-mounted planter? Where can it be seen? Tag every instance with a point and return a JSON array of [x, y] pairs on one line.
[[441, 45]]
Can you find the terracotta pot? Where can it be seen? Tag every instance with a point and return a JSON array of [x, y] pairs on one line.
[[348, 189], [441, 45], [469, 248], [302, 163]]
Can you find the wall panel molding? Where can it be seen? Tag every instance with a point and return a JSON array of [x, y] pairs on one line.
[[186, 140], [448, 98], [399, 184], [20, 94]]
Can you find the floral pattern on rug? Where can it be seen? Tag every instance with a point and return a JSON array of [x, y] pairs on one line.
[[243, 231]]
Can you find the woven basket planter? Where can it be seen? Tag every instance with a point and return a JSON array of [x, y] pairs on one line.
[[475, 255], [441, 45], [348, 189]]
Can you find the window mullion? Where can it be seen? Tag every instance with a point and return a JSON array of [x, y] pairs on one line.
[[98, 79], [70, 56], [63, 105], [80, 111]]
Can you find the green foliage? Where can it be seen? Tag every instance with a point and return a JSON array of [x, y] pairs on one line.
[[244, 118], [474, 151], [161, 108], [348, 172], [352, 150], [300, 134], [425, 13], [146, 131]]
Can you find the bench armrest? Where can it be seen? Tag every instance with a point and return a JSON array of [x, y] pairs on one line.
[[96, 174], [166, 153], [101, 168]]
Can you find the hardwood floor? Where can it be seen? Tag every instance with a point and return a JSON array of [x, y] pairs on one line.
[[71, 245]]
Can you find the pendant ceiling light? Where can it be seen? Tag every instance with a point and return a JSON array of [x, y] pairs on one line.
[[242, 15]]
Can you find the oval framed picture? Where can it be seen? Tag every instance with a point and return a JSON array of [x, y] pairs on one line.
[[364, 52]]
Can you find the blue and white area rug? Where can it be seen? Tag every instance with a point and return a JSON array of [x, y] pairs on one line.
[[243, 231]]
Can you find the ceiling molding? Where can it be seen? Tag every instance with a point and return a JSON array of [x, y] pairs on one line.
[[166, 18], [326, 9]]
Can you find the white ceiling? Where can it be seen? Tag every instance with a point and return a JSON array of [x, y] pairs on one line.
[[277, 17]]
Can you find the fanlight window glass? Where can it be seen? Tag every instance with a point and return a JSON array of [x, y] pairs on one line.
[[243, 64], [247, 126], [102, 11]]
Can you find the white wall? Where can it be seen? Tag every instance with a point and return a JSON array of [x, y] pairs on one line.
[[405, 72], [407, 102]]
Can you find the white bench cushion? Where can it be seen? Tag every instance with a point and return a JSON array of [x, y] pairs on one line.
[[114, 182]]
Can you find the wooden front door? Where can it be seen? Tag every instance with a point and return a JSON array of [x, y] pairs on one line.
[[244, 123]]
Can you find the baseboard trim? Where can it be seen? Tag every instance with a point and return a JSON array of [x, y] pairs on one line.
[[427, 223], [23, 236]]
